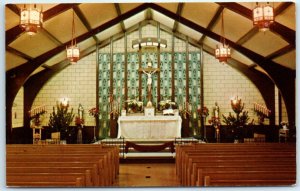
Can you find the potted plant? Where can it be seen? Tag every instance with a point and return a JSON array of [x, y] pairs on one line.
[[239, 120], [60, 120]]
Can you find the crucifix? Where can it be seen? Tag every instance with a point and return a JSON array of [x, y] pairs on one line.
[[149, 71]]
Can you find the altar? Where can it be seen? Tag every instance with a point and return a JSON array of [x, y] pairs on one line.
[[149, 127]]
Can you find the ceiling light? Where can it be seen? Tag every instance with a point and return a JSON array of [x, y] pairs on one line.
[[31, 19], [149, 42], [222, 52], [73, 51], [263, 16]]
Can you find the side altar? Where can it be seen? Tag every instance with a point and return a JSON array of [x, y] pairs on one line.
[[149, 127]]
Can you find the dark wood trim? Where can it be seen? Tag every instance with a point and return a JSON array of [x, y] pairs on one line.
[[118, 10], [14, 8], [51, 37], [140, 75], [111, 72], [212, 22], [248, 36], [16, 77], [187, 77], [286, 33], [158, 75], [252, 66], [178, 12], [35, 83], [280, 52], [83, 20], [202, 88], [18, 53], [125, 69], [279, 107], [140, 65], [173, 69], [15, 32], [97, 86], [58, 9], [282, 7], [282, 76], [158, 65], [148, 14]]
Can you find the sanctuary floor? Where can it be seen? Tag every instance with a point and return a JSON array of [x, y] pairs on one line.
[[147, 175]]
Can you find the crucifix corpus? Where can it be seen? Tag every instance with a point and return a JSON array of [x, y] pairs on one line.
[[149, 71]]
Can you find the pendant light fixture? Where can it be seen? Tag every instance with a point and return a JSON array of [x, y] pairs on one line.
[[222, 51], [73, 51], [263, 16], [31, 19]]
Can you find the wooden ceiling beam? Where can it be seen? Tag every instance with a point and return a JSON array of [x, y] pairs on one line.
[[15, 32], [247, 36], [18, 53], [51, 37], [286, 33], [280, 52], [282, 7], [118, 9], [178, 12], [14, 8], [83, 20], [16, 77], [263, 83], [282, 76], [212, 22], [148, 14]]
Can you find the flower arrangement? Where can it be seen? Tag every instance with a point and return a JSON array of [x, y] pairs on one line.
[[79, 121], [215, 121], [203, 112], [94, 112], [134, 105], [168, 104]]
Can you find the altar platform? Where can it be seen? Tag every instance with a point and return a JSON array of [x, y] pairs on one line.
[[163, 155]]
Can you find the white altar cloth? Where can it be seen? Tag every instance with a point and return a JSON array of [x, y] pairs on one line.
[[149, 127]]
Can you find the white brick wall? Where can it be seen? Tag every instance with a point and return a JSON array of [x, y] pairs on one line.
[[17, 109], [222, 82], [77, 83]]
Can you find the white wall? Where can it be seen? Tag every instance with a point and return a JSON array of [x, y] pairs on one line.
[[222, 82], [77, 83]]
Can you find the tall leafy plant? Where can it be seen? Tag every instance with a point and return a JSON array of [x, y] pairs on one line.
[[61, 118]]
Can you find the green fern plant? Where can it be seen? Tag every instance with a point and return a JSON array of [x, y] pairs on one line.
[[60, 119]]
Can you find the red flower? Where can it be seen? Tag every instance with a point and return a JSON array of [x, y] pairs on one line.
[[79, 121], [94, 112], [204, 112]]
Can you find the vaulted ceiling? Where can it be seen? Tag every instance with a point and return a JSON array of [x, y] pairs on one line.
[[200, 22]]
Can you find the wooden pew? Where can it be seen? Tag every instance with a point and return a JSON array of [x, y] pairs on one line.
[[56, 178], [246, 178], [192, 159], [104, 161]]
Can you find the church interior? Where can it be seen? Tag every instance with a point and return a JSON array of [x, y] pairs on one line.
[[177, 94]]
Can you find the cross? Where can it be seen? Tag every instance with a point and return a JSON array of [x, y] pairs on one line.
[[149, 71]]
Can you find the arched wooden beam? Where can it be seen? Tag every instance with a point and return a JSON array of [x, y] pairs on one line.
[[34, 84], [16, 77], [283, 77], [263, 83]]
